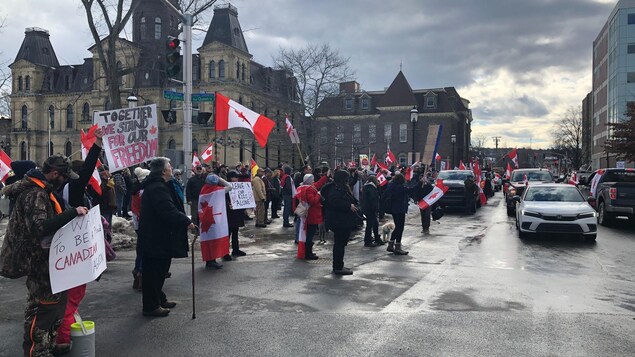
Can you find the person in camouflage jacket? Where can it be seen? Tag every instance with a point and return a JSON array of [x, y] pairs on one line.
[[37, 215]]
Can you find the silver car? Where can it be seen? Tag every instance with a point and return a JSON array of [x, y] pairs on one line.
[[555, 208]]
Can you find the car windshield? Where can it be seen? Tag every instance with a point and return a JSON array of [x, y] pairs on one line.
[[619, 176], [454, 175], [518, 176], [564, 193]]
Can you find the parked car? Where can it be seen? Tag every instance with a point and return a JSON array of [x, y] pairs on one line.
[[614, 195], [516, 184], [455, 180], [554, 208]]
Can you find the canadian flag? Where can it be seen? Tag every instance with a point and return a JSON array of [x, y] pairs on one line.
[[390, 157], [373, 161], [431, 198], [477, 178], [212, 215], [231, 114], [410, 170], [289, 125], [595, 181], [302, 239], [508, 171], [88, 139], [573, 180], [195, 160], [5, 166], [437, 157], [461, 165], [382, 166], [208, 153], [514, 157], [381, 179]]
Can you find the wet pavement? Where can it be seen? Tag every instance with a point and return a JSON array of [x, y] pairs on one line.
[[471, 287]]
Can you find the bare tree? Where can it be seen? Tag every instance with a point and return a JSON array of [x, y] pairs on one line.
[[111, 19], [319, 70], [622, 142], [479, 141], [567, 135]]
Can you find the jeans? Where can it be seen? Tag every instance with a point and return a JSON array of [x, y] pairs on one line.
[[119, 200], [287, 209], [154, 271], [372, 227], [341, 236], [400, 221]]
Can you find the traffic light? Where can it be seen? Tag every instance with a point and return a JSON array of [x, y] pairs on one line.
[[173, 56]]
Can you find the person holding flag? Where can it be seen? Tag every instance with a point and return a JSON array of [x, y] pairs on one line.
[[214, 228], [399, 193], [426, 188]]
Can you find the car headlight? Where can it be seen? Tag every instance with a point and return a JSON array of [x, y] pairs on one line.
[[591, 214], [530, 213]]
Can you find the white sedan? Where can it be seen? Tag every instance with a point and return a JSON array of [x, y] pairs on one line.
[[555, 208]]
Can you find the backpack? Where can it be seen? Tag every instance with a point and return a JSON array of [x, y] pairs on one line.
[[386, 201]]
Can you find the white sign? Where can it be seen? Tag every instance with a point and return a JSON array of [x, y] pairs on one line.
[[78, 253], [131, 135], [241, 195], [620, 164]]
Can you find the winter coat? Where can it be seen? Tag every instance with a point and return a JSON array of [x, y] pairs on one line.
[[275, 182], [258, 187], [310, 195], [287, 185], [268, 187], [107, 200], [163, 223], [235, 218], [370, 199], [193, 187], [400, 195], [338, 209], [471, 190], [178, 187]]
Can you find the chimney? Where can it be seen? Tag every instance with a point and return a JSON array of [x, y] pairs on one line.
[[349, 87]]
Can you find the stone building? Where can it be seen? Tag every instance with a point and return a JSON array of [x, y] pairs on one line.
[[50, 100], [369, 122]]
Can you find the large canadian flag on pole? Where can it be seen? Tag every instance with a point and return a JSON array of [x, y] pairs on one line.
[[212, 214], [437, 192], [231, 114], [5, 166]]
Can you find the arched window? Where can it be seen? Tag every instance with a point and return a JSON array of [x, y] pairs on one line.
[[212, 69], [25, 117], [20, 83], [194, 145], [157, 28], [86, 112], [52, 116], [51, 151], [171, 144], [27, 83], [142, 28], [221, 69], [23, 150], [243, 77], [69, 117], [107, 105], [237, 70]]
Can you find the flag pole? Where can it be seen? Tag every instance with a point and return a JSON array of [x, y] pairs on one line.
[[193, 282], [300, 152]]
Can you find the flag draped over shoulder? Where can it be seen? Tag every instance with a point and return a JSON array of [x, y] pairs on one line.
[[212, 214], [231, 114]]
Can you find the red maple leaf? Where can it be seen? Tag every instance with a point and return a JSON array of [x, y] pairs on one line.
[[432, 196], [208, 152], [153, 130], [242, 116], [206, 215]]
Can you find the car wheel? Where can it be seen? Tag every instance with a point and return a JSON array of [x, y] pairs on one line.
[[604, 218], [590, 238], [511, 211]]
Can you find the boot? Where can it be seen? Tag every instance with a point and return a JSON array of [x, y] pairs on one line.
[[308, 254], [398, 250], [379, 241], [391, 246]]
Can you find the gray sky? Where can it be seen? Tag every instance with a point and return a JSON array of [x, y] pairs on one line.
[[521, 63]]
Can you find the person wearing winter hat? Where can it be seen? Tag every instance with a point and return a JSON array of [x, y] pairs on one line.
[[309, 192], [20, 168]]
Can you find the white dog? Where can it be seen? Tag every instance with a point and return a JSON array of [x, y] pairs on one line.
[[386, 229]]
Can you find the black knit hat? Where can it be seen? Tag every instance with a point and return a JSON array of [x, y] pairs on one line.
[[20, 168]]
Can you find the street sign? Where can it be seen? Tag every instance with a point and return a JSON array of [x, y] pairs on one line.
[[172, 95], [202, 97]]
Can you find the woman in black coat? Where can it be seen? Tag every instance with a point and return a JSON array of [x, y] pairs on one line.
[[235, 220], [340, 212], [400, 194], [162, 235], [370, 208]]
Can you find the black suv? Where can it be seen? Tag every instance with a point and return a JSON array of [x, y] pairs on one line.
[[517, 185], [455, 181]]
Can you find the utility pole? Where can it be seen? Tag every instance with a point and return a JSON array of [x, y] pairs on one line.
[[496, 140]]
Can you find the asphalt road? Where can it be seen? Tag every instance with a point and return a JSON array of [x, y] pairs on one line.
[[471, 287]]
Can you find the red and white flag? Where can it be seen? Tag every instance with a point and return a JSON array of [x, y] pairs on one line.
[[195, 160], [594, 182], [88, 139], [373, 162], [573, 179], [431, 198], [476, 168], [514, 157], [437, 157], [231, 114], [302, 238], [410, 171], [390, 158], [5, 166], [461, 165], [212, 215], [289, 125], [208, 153], [508, 171], [382, 166], [381, 179]]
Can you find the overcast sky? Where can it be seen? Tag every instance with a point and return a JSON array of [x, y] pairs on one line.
[[520, 63]]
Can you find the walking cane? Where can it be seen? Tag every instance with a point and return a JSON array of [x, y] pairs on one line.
[[196, 233]]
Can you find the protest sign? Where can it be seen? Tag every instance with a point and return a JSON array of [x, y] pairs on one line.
[[77, 254], [241, 195], [131, 135]]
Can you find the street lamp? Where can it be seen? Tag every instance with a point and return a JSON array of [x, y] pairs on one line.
[[413, 119], [132, 100], [453, 140]]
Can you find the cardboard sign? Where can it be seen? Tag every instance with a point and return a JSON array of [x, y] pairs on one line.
[[131, 135], [241, 195], [78, 253]]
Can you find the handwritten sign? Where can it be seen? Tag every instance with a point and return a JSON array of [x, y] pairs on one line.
[[241, 195], [78, 253], [131, 135]]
